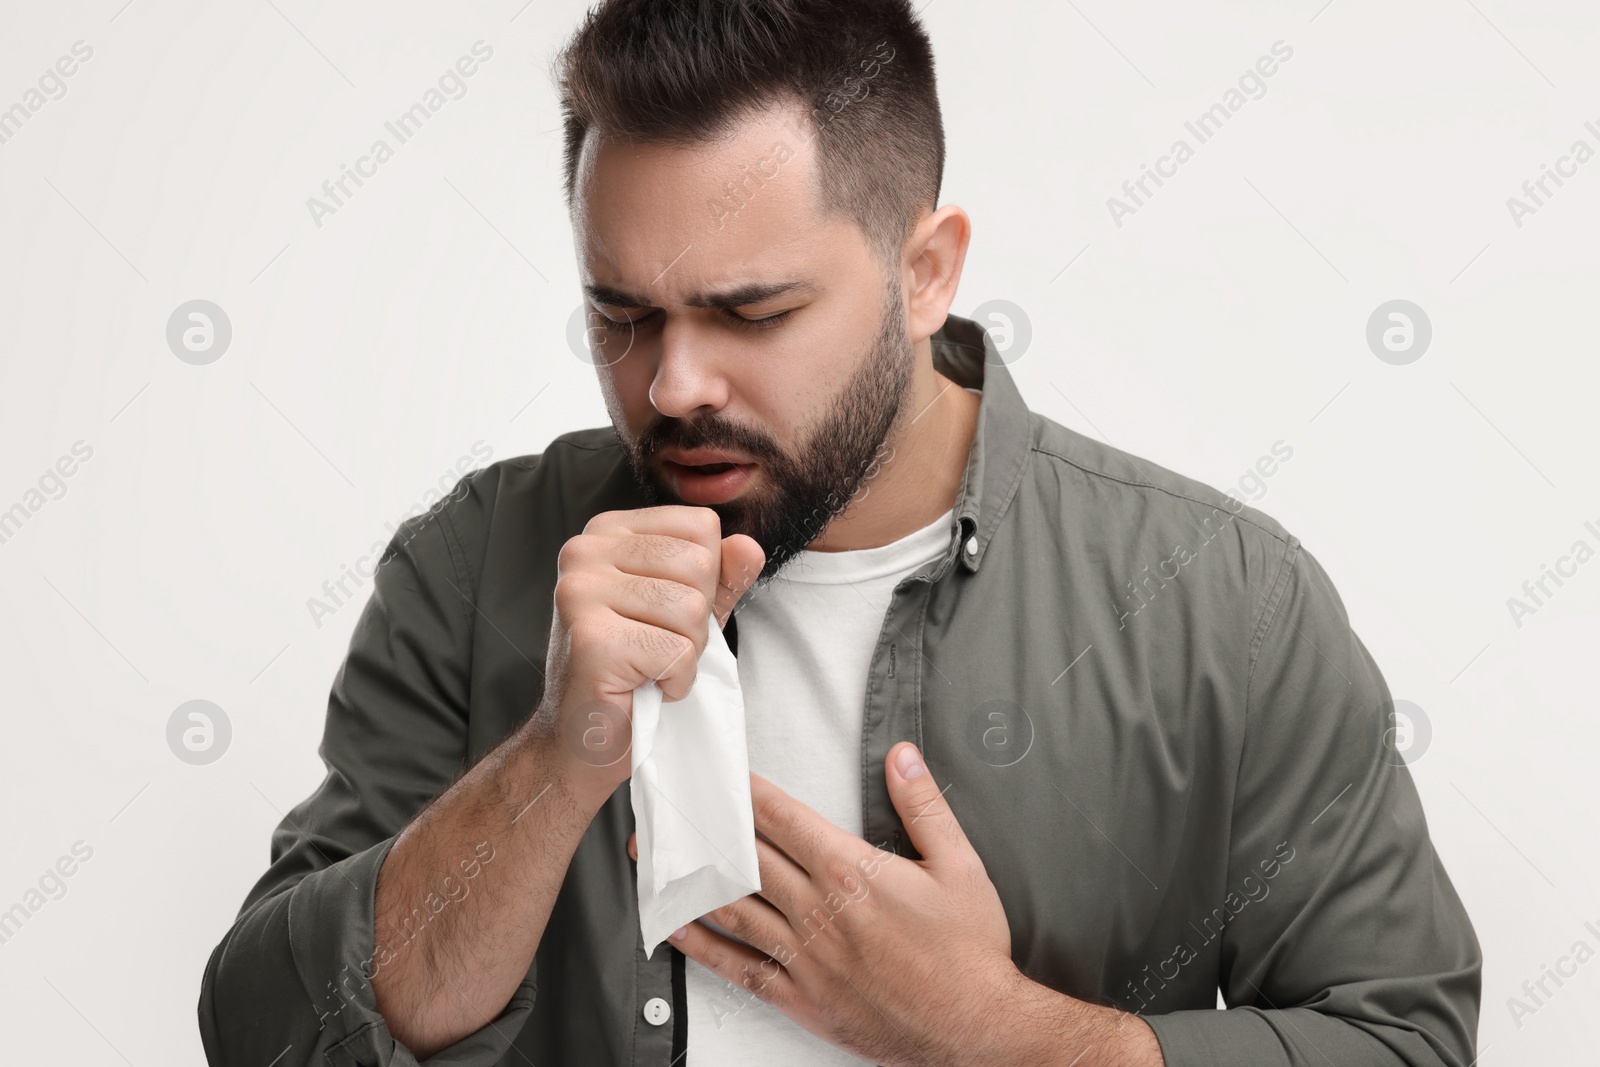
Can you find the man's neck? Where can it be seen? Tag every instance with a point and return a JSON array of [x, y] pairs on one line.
[[919, 472]]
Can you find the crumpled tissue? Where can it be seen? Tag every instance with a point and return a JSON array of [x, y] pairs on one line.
[[691, 797]]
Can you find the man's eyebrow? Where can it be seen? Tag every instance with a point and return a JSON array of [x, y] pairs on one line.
[[733, 297]]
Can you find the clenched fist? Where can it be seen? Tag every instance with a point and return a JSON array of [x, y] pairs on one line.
[[633, 600]]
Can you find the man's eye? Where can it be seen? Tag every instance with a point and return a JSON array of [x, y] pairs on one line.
[[759, 324], [608, 323]]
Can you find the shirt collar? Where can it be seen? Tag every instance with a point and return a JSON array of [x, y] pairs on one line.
[[964, 353]]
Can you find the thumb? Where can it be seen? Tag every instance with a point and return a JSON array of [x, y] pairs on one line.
[[928, 819], [742, 560]]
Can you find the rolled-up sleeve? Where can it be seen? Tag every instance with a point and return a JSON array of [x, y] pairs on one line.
[[290, 979], [1357, 949]]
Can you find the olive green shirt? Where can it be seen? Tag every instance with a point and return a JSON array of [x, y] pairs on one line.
[[1144, 699]]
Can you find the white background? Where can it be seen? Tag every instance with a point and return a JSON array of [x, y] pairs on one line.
[[429, 314]]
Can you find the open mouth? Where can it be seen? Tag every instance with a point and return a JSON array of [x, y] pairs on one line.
[[708, 483]]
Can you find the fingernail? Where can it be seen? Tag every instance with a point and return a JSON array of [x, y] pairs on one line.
[[910, 766], [677, 935]]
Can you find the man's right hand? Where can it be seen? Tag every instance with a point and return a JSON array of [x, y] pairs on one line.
[[633, 597]]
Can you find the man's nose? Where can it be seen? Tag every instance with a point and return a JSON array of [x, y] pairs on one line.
[[689, 379]]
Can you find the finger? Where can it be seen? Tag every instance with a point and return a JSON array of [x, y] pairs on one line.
[[928, 820], [672, 559], [781, 881], [742, 560], [736, 963], [762, 924], [670, 605], [675, 542], [784, 883], [757, 924], [701, 525], [654, 654], [797, 829]]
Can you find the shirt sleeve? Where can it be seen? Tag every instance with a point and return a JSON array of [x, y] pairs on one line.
[[291, 978], [1354, 947]]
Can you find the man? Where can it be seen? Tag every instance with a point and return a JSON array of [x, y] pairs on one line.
[[1049, 744]]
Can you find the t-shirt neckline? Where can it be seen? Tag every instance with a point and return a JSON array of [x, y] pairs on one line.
[[863, 564]]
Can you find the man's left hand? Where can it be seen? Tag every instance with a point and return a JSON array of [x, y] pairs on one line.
[[898, 961]]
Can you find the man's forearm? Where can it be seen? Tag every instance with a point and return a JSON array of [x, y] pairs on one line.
[[455, 931], [1041, 1026]]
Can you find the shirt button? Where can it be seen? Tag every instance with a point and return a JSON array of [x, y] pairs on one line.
[[972, 546], [657, 1011]]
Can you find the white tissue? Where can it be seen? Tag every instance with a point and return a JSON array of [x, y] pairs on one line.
[[691, 797]]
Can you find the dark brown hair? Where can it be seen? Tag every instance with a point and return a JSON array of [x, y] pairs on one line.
[[685, 72]]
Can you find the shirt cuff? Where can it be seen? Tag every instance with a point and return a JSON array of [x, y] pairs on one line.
[[331, 938], [1216, 1038]]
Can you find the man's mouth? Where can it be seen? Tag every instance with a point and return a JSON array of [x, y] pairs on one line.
[[708, 483]]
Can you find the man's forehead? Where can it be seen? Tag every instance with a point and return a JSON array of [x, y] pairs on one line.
[[695, 221], [651, 265]]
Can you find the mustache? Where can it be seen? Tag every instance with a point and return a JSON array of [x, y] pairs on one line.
[[710, 431]]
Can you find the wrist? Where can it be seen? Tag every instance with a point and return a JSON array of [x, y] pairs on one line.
[[1042, 1026], [577, 783]]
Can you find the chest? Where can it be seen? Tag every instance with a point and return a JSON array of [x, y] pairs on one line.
[[805, 657]]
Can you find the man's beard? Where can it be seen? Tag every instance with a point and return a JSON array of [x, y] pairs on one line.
[[800, 494]]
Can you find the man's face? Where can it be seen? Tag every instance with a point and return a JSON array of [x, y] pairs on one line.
[[685, 250]]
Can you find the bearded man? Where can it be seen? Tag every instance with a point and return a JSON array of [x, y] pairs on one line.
[[1049, 745]]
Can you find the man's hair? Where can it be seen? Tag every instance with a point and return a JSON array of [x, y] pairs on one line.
[[687, 72]]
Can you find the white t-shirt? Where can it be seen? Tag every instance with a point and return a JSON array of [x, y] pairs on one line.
[[805, 647]]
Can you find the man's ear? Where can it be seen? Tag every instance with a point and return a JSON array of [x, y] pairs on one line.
[[935, 256]]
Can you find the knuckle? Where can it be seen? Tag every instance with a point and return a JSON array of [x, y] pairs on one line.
[[655, 591], [839, 872], [675, 684], [571, 553], [716, 957], [683, 650], [696, 603], [645, 639], [670, 647], [754, 980], [734, 920], [710, 523], [648, 639], [571, 591], [655, 548], [771, 969], [706, 561], [769, 810]]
